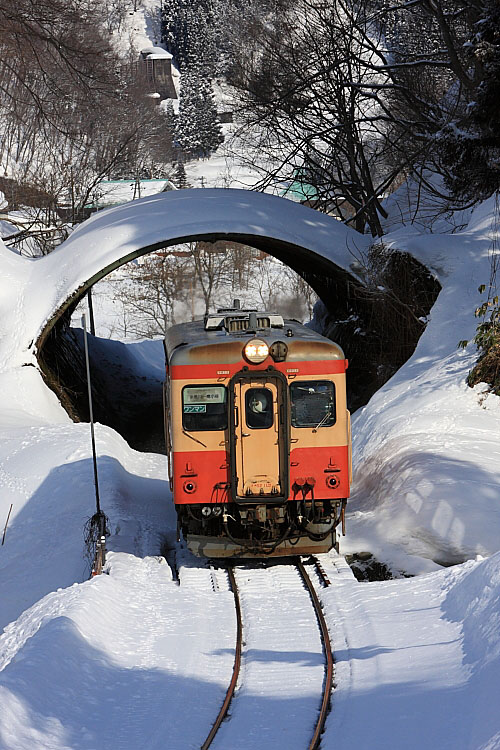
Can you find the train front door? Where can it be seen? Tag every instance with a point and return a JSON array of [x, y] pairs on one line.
[[260, 442]]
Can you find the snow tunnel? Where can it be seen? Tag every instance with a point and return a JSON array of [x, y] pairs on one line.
[[327, 254], [320, 248]]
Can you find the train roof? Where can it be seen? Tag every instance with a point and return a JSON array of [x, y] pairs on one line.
[[228, 331]]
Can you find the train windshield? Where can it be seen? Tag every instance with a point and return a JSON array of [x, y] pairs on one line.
[[204, 407], [313, 403], [259, 408]]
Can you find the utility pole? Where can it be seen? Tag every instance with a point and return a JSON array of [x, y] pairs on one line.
[[98, 520]]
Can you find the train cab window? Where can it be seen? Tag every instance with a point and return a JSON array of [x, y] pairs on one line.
[[204, 407], [313, 403], [259, 408]]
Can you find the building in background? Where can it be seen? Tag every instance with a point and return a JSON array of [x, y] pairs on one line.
[[155, 66]]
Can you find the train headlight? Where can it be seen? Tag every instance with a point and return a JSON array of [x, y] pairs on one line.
[[206, 511], [256, 351]]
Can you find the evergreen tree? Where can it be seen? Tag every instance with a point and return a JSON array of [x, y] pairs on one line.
[[180, 178], [198, 131], [170, 118], [189, 30]]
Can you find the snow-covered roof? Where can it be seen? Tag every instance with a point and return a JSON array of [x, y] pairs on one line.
[[115, 192], [159, 56], [156, 53]]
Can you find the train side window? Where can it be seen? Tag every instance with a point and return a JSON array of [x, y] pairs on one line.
[[313, 403], [259, 408], [204, 407]]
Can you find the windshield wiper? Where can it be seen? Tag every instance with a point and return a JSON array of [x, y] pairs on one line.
[[193, 438], [321, 424]]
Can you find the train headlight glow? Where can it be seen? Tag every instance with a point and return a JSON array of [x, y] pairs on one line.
[[256, 351]]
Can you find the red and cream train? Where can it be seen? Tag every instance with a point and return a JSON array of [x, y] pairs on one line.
[[257, 434]]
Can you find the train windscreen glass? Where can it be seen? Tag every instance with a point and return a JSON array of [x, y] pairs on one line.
[[204, 407], [313, 403], [259, 408]]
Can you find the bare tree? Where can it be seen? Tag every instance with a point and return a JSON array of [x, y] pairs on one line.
[[150, 291], [114, 13], [302, 296], [54, 60], [460, 49], [312, 126], [192, 279], [212, 268], [71, 111], [341, 99]]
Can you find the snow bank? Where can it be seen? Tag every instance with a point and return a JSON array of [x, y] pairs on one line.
[[473, 599], [46, 473], [426, 449], [14, 309], [123, 662], [417, 660]]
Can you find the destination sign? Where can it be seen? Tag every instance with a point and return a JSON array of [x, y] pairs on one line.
[[206, 395]]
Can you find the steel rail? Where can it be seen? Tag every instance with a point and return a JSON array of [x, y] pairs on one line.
[[321, 572], [236, 667], [327, 688]]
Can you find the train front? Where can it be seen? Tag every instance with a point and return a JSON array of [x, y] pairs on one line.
[[258, 435]]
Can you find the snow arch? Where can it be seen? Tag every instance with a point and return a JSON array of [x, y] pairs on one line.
[[318, 246]]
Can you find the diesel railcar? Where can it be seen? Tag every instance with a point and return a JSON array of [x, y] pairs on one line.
[[257, 435]]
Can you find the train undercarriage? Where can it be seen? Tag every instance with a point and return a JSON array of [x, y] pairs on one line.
[[300, 527]]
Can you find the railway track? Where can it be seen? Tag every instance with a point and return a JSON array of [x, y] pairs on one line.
[[327, 649], [284, 577], [236, 669]]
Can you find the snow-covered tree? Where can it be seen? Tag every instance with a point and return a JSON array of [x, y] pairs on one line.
[[180, 177], [198, 131], [189, 32]]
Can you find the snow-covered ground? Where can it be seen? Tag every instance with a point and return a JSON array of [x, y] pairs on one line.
[[140, 27], [426, 447], [417, 660], [131, 659], [224, 168], [115, 192]]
